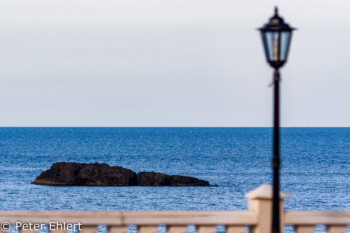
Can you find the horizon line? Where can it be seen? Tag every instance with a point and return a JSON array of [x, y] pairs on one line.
[[172, 127]]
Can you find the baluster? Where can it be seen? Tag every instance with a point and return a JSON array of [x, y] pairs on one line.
[[31, 227], [117, 229], [235, 229], [147, 229], [88, 229], [337, 229], [3, 230], [54, 228], [304, 229], [21, 230], [206, 229], [176, 229], [57, 231]]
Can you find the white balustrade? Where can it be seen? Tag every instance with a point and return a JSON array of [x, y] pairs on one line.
[[257, 217]]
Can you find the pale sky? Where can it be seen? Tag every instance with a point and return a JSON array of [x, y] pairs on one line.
[[170, 63]]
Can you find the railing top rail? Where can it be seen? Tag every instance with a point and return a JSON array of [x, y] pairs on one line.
[[317, 218], [119, 218]]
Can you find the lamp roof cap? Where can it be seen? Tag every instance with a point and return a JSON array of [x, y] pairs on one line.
[[276, 23]]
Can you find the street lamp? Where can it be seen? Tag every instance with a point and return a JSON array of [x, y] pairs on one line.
[[276, 36]]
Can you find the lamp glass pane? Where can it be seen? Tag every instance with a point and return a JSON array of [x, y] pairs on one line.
[[272, 40], [285, 40]]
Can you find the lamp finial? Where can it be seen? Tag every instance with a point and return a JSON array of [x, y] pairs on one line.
[[276, 10]]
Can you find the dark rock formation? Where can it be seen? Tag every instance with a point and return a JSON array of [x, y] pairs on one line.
[[187, 181], [78, 174], [152, 179], [83, 174], [159, 179]]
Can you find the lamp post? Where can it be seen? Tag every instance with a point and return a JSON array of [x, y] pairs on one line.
[[276, 36]]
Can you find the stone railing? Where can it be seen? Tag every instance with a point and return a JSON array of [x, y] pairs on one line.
[[257, 218]]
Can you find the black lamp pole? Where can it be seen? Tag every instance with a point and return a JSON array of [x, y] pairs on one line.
[[276, 36], [276, 155]]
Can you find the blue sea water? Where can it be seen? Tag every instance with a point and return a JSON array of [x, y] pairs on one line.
[[315, 166]]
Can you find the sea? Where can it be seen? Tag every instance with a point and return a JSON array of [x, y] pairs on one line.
[[315, 167]]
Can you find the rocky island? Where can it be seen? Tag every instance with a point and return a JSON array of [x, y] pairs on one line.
[[95, 174]]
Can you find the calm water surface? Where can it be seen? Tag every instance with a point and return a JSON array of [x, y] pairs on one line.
[[315, 166]]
